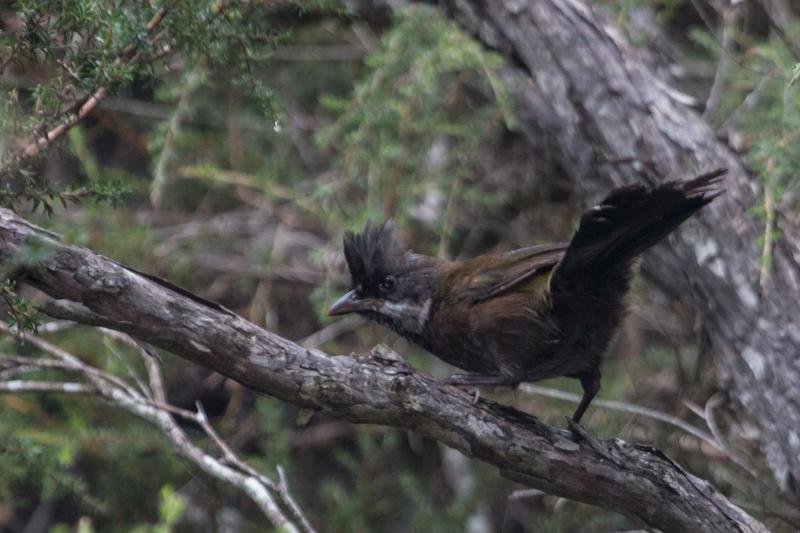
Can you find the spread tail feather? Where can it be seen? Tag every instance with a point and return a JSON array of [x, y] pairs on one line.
[[628, 221]]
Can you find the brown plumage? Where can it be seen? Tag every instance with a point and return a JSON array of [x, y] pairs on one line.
[[531, 314]]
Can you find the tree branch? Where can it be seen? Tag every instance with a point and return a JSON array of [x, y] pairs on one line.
[[633, 479]]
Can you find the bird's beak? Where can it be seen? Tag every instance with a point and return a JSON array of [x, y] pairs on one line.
[[350, 303]]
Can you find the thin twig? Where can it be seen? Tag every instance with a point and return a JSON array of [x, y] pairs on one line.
[[131, 372], [729, 20], [769, 229], [24, 385], [328, 333], [641, 411], [161, 173], [710, 27], [157, 411], [622, 406], [97, 377], [230, 457], [711, 422], [288, 500], [56, 326], [713, 439]]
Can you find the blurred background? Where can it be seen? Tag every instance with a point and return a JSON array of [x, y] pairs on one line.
[[231, 165]]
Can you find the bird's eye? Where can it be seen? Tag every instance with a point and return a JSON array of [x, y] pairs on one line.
[[387, 283]]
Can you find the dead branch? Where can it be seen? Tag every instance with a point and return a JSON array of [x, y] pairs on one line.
[[151, 405]]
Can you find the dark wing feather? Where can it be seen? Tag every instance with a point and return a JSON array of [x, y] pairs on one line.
[[628, 221], [498, 273]]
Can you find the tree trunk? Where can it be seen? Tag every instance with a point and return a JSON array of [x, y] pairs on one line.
[[595, 111]]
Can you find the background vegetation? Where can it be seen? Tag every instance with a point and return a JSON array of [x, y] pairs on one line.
[[240, 141]]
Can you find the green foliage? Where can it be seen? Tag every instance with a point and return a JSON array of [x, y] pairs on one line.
[[760, 106], [39, 466], [664, 10], [379, 488], [795, 75], [415, 119], [87, 45], [172, 508], [21, 314]]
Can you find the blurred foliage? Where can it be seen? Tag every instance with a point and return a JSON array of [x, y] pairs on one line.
[[232, 166], [411, 123], [760, 112], [73, 49], [764, 105]]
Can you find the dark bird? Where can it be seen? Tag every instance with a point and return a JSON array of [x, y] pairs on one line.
[[530, 314]]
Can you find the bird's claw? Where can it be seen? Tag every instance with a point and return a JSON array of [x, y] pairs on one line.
[[461, 381], [474, 392], [581, 434]]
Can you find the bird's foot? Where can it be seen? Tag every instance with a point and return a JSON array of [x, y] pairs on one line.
[[469, 381], [476, 395], [581, 434], [470, 390], [478, 380]]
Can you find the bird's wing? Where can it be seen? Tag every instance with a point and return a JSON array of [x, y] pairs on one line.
[[625, 223], [498, 273]]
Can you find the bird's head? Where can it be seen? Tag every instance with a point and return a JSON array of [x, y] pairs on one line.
[[389, 285]]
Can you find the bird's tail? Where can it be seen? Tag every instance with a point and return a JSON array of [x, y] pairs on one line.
[[627, 222]]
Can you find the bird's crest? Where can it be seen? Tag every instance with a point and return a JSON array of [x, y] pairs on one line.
[[371, 253]]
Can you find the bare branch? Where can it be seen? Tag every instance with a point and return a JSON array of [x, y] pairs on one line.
[[713, 439], [286, 497], [238, 473], [624, 407], [45, 386], [150, 359]]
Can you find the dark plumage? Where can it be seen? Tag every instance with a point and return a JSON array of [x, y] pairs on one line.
[[531, 314]]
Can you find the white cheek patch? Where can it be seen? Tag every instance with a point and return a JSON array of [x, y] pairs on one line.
[[411, 316]]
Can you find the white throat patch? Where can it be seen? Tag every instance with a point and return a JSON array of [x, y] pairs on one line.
[[411, 316]]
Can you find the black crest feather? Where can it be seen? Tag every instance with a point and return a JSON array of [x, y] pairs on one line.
[[370, 253]]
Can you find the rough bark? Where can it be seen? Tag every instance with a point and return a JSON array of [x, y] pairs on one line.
[[637, 480], [588, 101]]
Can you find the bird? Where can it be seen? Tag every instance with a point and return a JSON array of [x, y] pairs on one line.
[[530, 314]]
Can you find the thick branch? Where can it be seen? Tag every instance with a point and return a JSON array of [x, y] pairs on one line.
[[636, 480], [588, 101]]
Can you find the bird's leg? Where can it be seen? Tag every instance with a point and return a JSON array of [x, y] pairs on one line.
[[581, 434], [591, 384], [590, 381], [475, 380]]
